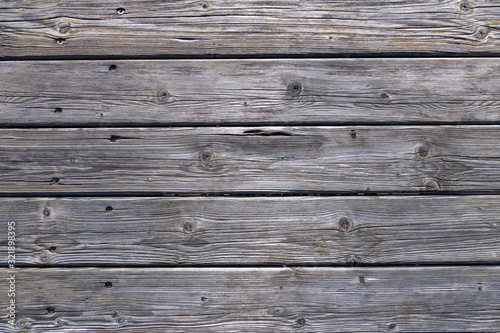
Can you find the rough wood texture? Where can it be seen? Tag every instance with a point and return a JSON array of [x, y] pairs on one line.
[[226, 159], [228, 230], [250, 91], [152, 27], [437, 299]]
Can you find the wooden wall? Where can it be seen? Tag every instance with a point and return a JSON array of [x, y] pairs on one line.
[[250, 166]]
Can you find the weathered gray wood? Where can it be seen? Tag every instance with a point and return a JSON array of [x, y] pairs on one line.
[[255, 230], [437, 299], [147, 27], [250, 91], [226, 159]]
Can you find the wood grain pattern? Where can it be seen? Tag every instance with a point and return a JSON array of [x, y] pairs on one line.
[[376, 91], [97, 181], [425, 299], [254, 230], [226, 159], [153, 27]]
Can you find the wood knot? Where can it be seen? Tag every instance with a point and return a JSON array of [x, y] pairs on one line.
[[58, 111], [53, 249], [188, 227], [345, 224], [59, 41], [277, 311], [163, 96], [109, 209], [301, 321], [352, 259], [482, 32], [294, 88], [206, 157], [64, 27], [120, 320], [113, 68], [120, 11], [44, 257], [108, 284], [55, 181], [431, 185], [353, 134], [362, 279], [46, 212], [423, 151], [466, 7], [20, 324], [114, 138], [392, 326], [384, 95], [50, 310]]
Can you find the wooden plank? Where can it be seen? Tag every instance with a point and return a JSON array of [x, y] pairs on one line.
[[282, 91], [260, 159], [254, 230], [153, 27], [430, 299]]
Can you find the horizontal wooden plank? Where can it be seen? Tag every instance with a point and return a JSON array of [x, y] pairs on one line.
[[250, 91], [153, 27], [254, 230], [437, 299], [261, 159]]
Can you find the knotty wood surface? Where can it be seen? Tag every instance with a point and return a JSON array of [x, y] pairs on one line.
[[255, 230], [409, 299], [332, 91], [152, 27], [87, 151], [228, 159]]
